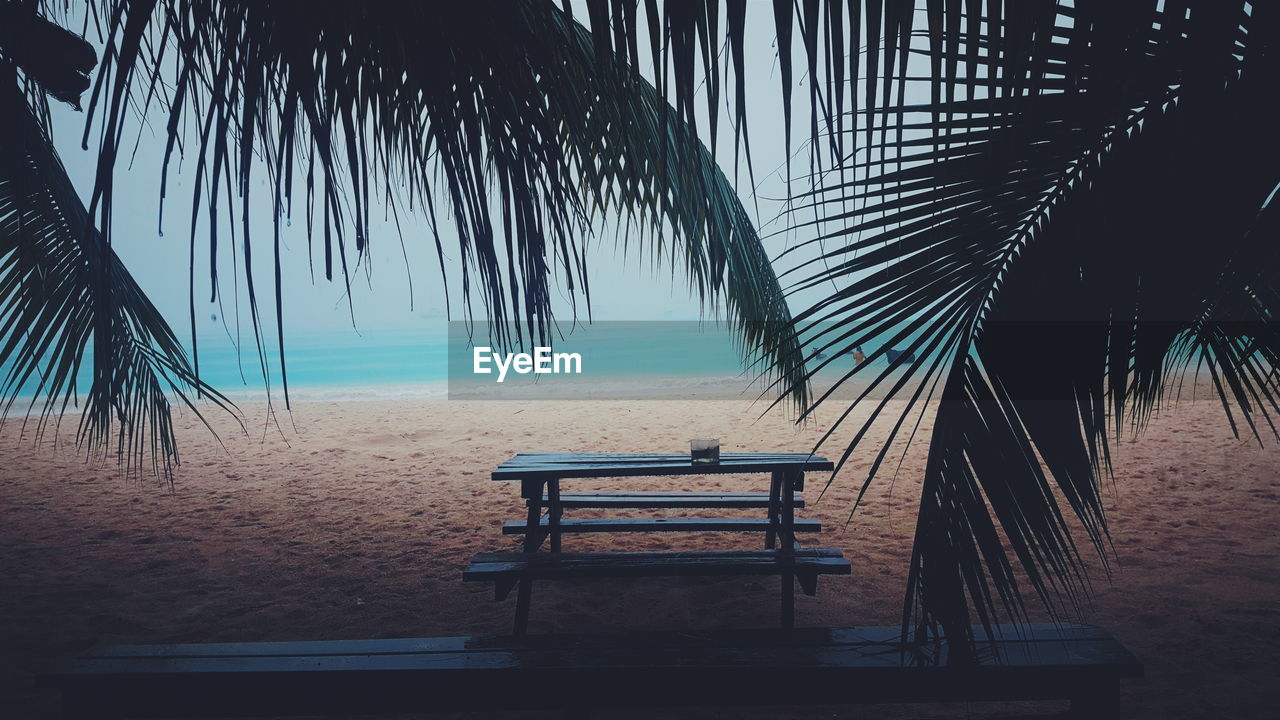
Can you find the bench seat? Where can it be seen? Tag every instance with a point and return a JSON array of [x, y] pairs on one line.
[[516, 527], [506, 569], [652, 499], [812, 666]]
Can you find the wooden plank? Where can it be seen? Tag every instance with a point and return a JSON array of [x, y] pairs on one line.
[[1100, 655], [557, 569], [813, 637], [392, 646], [542, 460], [515, 527], [534, 687], [728, 668], [543, 456], [659, 499], [760, 638], [490, 567], [529, 466], [1044, 647], [660, 554]]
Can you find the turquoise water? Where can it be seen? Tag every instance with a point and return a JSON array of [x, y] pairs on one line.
[[639, 352], [330, 360], [326, 360]]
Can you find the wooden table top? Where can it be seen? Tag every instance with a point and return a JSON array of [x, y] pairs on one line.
[[548, 465]]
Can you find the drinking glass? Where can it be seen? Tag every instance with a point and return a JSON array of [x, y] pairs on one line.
[[704, 450]]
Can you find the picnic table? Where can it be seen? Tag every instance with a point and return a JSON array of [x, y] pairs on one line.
[[540, 476], [580, 673]]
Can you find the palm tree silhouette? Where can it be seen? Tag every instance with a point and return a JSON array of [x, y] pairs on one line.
[[1083, 206]]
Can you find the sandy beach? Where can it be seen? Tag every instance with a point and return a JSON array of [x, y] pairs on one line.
[[355, 519]]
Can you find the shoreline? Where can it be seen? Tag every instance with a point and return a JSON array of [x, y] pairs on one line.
[[622, 388]]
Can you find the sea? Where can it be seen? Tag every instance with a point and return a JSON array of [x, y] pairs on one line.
[[618, 359]]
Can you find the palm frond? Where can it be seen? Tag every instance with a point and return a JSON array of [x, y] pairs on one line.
[[54, 60], [65, 292], [1064, 224], [509, 111]]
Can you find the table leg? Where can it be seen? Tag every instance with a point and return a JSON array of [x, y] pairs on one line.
[[788, 600], [787, 538], [523, 596], [556, 510], [771, 532], [533, 532], [786, 531], [532, 492]]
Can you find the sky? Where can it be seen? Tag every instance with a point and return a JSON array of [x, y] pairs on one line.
[[391, 297], [155, 249]]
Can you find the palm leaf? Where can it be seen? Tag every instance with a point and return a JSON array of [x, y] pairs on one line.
[[510, 112], [1078, 212], [65, 292], [1065, 224]]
